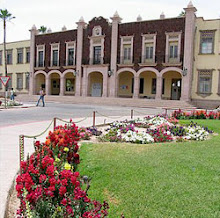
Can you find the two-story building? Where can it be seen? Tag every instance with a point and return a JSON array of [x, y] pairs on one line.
[[206, 74], [18, 66], [141, 59]]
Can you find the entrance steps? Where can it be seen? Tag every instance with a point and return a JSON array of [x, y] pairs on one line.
[[129, 102]]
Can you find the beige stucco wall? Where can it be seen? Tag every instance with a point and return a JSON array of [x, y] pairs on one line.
[[207, 61], [14, 67], [125, 84]]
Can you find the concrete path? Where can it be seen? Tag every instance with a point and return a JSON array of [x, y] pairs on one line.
[[9, 149]]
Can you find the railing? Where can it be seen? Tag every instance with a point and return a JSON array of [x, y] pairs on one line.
[[125, 60]]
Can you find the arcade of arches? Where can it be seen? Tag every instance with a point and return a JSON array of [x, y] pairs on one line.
[[146, 83]]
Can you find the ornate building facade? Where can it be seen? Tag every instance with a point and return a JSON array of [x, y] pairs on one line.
[[143, 59]]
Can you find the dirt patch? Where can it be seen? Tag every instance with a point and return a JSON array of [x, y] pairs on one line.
[[110, 197]]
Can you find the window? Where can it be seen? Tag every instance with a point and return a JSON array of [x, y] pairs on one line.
[[207, 42], [20, 55], [10, 81], [27, 55], [9, 56], [40, 55], [205, 82], [173, 48], [70, 53], [127, 52], [97, 54], [126, 49], [55, 55], [149, 51], [0, 57], [19, 80], [141, 89], [26, 81], [154, 86], [69, 85], [173, 51]]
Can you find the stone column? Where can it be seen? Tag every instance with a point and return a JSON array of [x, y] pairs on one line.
[[105, 83], [62, 85], [48, 85], [79, 46], [114, 45], [85, 83], [136, 86], [32, 60], [159, 88], [190, 19]]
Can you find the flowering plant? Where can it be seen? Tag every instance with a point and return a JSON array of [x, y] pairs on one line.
[[49, 186], [84, 133]]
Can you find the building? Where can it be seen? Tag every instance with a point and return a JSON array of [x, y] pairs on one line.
[[18, 66], [206, 75], [142, 59]]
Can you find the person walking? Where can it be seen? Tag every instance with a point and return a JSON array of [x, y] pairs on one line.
[[42, 94], [12, 94]]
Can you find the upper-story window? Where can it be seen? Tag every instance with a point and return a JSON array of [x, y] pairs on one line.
[[55, 54], [70, 53], [96, 46], [40, 55], [20, 55], [207, 39], [148, 48], [28, 55], [173, 47], [0, 57], [9, 56], [126, 49]]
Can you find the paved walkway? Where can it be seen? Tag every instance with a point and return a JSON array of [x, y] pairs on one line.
[[9, 149]]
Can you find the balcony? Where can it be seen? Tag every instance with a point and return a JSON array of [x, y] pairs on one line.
[[40, 64], [125, 61], [173, 61], [69, 63], [147, 61]]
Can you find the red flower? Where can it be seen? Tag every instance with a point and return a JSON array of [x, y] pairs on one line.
[[62, 190], [64, 202]]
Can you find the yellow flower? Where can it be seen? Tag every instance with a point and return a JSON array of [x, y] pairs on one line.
[[67, 166], [66, 149], [57, 160], [59, 208]]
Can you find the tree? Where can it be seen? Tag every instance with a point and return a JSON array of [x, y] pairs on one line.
[[182, 14], [42, 29], [5, 16]]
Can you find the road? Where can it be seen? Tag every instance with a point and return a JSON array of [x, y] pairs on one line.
[[65, 111]]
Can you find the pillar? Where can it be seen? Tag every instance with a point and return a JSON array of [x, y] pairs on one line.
[[190, 19], [114, 46], [105, 84], [136, 86], [79, 46], [48, 85], [159, 88], [33, 32], [62, 85], [85, 83]]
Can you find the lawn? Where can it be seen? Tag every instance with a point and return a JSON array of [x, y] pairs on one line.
[[156, 180]]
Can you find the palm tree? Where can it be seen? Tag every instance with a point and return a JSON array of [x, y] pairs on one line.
[[5, 16], [182, 14], [42, 29]]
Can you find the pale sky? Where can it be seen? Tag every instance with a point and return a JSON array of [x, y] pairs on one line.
[[55, 14]]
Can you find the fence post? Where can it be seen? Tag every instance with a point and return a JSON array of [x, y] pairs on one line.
[[93, 123], [54, 123], [21, 149], [132, 113], [165, 111]]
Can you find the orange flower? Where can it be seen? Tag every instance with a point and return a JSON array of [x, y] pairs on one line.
[[61, 141], [47, 142]]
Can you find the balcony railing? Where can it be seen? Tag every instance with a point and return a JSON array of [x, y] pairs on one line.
[[145, 60], [125, 60], [40, 64]]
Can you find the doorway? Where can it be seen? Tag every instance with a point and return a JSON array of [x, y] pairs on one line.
[[176, 89]]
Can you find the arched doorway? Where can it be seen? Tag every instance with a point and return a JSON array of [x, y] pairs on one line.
[[39, 82], [148, 84], [70, 81], [172, 82], [55, 83], [95, 84], [126, 84]]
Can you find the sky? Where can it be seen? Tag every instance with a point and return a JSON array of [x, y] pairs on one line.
[[55, 14]]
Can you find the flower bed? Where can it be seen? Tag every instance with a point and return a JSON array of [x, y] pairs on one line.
[[153, 129], [196, 114], [50, 186]]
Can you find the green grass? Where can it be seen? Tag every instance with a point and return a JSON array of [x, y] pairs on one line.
[[157, 180]]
